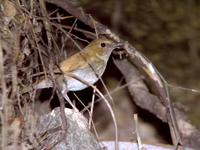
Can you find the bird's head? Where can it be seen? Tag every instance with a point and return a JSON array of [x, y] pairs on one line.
[[101, 47]]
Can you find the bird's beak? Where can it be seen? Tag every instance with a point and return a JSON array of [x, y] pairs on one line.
[[119, 45]]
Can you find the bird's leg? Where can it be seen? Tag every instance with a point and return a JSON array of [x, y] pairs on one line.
[[62, 105], [64, 126], [64, 92]]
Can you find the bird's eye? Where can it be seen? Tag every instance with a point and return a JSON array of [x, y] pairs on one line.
[[103, 45]]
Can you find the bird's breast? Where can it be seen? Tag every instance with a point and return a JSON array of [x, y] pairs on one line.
[[87, 76]]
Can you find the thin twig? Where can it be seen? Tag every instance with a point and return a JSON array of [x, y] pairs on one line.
[[107, 103], [92, 108], [88, 111], [4, 101], [139, 142]]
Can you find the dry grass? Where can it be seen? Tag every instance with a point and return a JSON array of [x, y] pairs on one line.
[[32, 40]]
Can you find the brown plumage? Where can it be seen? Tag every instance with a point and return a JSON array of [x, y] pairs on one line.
[[87, 65]]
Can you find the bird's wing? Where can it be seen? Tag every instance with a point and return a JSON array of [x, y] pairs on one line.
[[74, 62]]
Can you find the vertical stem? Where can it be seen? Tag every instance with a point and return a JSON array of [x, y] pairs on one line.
[[4, 100]]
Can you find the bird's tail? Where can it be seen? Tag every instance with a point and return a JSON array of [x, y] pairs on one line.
[[46, 83]]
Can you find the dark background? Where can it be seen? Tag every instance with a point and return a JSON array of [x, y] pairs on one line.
[[167, 32]]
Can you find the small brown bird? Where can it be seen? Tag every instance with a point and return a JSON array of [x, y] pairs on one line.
[[87, 65]]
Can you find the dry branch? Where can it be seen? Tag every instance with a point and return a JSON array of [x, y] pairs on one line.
[[32, 45], [143, 98]]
